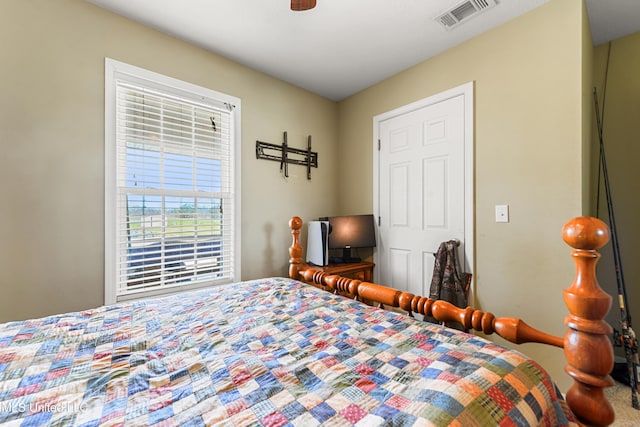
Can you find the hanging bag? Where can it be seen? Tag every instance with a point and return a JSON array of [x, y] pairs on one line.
[[448, 282]]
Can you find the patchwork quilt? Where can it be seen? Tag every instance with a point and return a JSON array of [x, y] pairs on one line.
[[271, 352]]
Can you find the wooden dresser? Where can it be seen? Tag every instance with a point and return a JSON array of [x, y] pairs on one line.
[[362, 271]]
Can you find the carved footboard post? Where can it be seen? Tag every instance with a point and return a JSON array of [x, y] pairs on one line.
[[587, 347], [295, 251]]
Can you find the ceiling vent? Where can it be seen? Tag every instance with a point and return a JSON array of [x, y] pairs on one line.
[[463, 11]]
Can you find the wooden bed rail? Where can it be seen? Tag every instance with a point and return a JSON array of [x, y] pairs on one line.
[[586, 344]]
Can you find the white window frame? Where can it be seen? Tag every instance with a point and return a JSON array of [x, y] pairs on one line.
[[118, 71]]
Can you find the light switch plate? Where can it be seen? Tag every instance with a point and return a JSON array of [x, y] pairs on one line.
[[502, 213]]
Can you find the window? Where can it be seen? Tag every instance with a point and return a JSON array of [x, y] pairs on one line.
[[172, 175]]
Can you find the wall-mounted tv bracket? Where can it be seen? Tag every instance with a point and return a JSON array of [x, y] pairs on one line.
[[285, 155]]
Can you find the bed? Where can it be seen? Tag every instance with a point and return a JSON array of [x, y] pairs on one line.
[[281, 352]]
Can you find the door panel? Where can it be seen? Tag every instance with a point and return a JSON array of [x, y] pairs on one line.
[[434, 192], [399, 198], [421, 200], [400, 267]]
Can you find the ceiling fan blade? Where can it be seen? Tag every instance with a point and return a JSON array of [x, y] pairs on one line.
[[302, 4]]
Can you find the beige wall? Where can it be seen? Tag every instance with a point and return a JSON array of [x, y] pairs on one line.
[[587, 115], [621, 136], [52, 162], [529, 88]]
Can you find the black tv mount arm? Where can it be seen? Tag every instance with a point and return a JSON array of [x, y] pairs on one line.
[[286, 155]]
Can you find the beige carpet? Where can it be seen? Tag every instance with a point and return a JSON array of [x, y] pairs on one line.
[[620, 398]]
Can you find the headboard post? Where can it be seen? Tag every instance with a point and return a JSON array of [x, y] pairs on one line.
[[587, 347], [295, 251]]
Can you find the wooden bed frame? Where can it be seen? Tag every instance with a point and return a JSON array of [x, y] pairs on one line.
[[586, 344]]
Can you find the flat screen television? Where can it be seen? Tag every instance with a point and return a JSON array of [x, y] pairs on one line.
[[351, 231]]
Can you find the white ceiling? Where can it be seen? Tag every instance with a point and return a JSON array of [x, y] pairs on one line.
[[341, 46]]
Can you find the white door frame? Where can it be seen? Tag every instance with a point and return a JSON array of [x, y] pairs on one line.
[[466, 90]]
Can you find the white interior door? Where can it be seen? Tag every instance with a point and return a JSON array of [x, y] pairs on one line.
[[425, 185]]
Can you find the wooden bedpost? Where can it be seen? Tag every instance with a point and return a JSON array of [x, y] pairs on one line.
[[587, 347], [295, 251]]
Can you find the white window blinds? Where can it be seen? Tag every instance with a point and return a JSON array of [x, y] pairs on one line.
[[174, 192]]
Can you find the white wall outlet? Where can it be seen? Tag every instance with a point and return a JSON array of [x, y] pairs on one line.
[[502, 213]]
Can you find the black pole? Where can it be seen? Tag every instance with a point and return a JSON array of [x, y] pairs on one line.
[[628, 336]]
